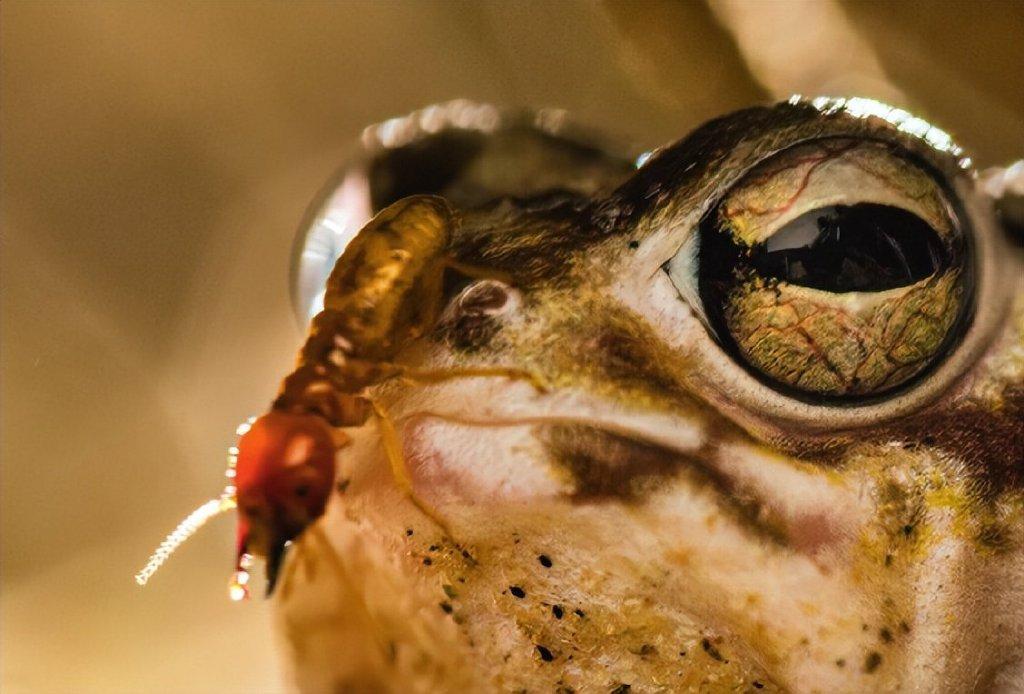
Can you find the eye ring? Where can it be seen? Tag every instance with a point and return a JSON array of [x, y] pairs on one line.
[[766, 407], [891, 272]]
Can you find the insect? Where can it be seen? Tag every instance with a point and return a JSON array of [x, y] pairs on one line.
[[384, 291]]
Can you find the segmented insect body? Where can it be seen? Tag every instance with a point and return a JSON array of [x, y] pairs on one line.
[[385, 290]]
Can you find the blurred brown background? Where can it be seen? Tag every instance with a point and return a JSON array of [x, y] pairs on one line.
[[157, 158]]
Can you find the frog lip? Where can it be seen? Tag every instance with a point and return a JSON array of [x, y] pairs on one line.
[[678, 432], [774, 498]]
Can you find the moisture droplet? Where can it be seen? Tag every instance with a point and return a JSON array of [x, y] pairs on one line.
[[237, 589]]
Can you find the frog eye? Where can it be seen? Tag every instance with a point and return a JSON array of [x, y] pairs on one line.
[[834, 269]]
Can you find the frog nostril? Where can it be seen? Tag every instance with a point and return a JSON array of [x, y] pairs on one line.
[[474, 315], [486, 297]]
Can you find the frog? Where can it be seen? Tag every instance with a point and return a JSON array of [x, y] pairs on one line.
[[779, 445]]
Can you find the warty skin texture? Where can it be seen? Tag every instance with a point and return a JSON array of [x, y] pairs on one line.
[[659, 517]]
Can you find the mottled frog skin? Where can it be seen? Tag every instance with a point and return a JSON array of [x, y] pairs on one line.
[[676, 512]]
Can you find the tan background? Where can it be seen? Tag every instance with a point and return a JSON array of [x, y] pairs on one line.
[[156, 161]]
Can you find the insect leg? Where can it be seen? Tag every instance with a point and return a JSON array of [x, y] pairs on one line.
[[291, 566], [396, 458]]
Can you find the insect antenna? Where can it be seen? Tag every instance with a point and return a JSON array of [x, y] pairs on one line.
[[186, 529], [198, 518]]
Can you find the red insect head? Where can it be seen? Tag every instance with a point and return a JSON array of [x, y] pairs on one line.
[[283, 478]]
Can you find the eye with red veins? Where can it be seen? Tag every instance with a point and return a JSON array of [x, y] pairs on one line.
[[836, 269]]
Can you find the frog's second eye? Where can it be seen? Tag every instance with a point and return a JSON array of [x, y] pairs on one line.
[[834, 269]]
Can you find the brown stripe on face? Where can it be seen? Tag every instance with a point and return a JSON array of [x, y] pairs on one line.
[[610, 351], [606, 466], [987, 439], [629, 354], [603, 465]]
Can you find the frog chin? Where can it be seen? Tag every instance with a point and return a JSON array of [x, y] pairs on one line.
[[377, 598]]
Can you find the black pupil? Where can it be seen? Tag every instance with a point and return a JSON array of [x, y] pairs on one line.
[[850, 248]]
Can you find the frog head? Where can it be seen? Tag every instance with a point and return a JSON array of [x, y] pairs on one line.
[[780, 448]]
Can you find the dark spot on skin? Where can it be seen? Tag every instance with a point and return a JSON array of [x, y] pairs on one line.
[[408, 532], [562, 689], [545, 655], [711, 650], [682, 654], [447, 607], [634, 245], [904, 627], [840, 662], [994, 538], [545, 561], [928, 440], [342, 486], [888, 560], [620, 689], [557, 611], [517, 591], [579, 613], [757, 685], [433, 548], [885, 635], [907, 530], [872, 661], [864, 627], [644, 650], [427, 561], [449, 591]]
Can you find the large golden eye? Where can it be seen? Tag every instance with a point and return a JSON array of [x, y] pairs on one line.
[[835, 269]]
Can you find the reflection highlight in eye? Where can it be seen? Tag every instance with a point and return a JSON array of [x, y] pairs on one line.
[[864, 247], [833, 270]]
